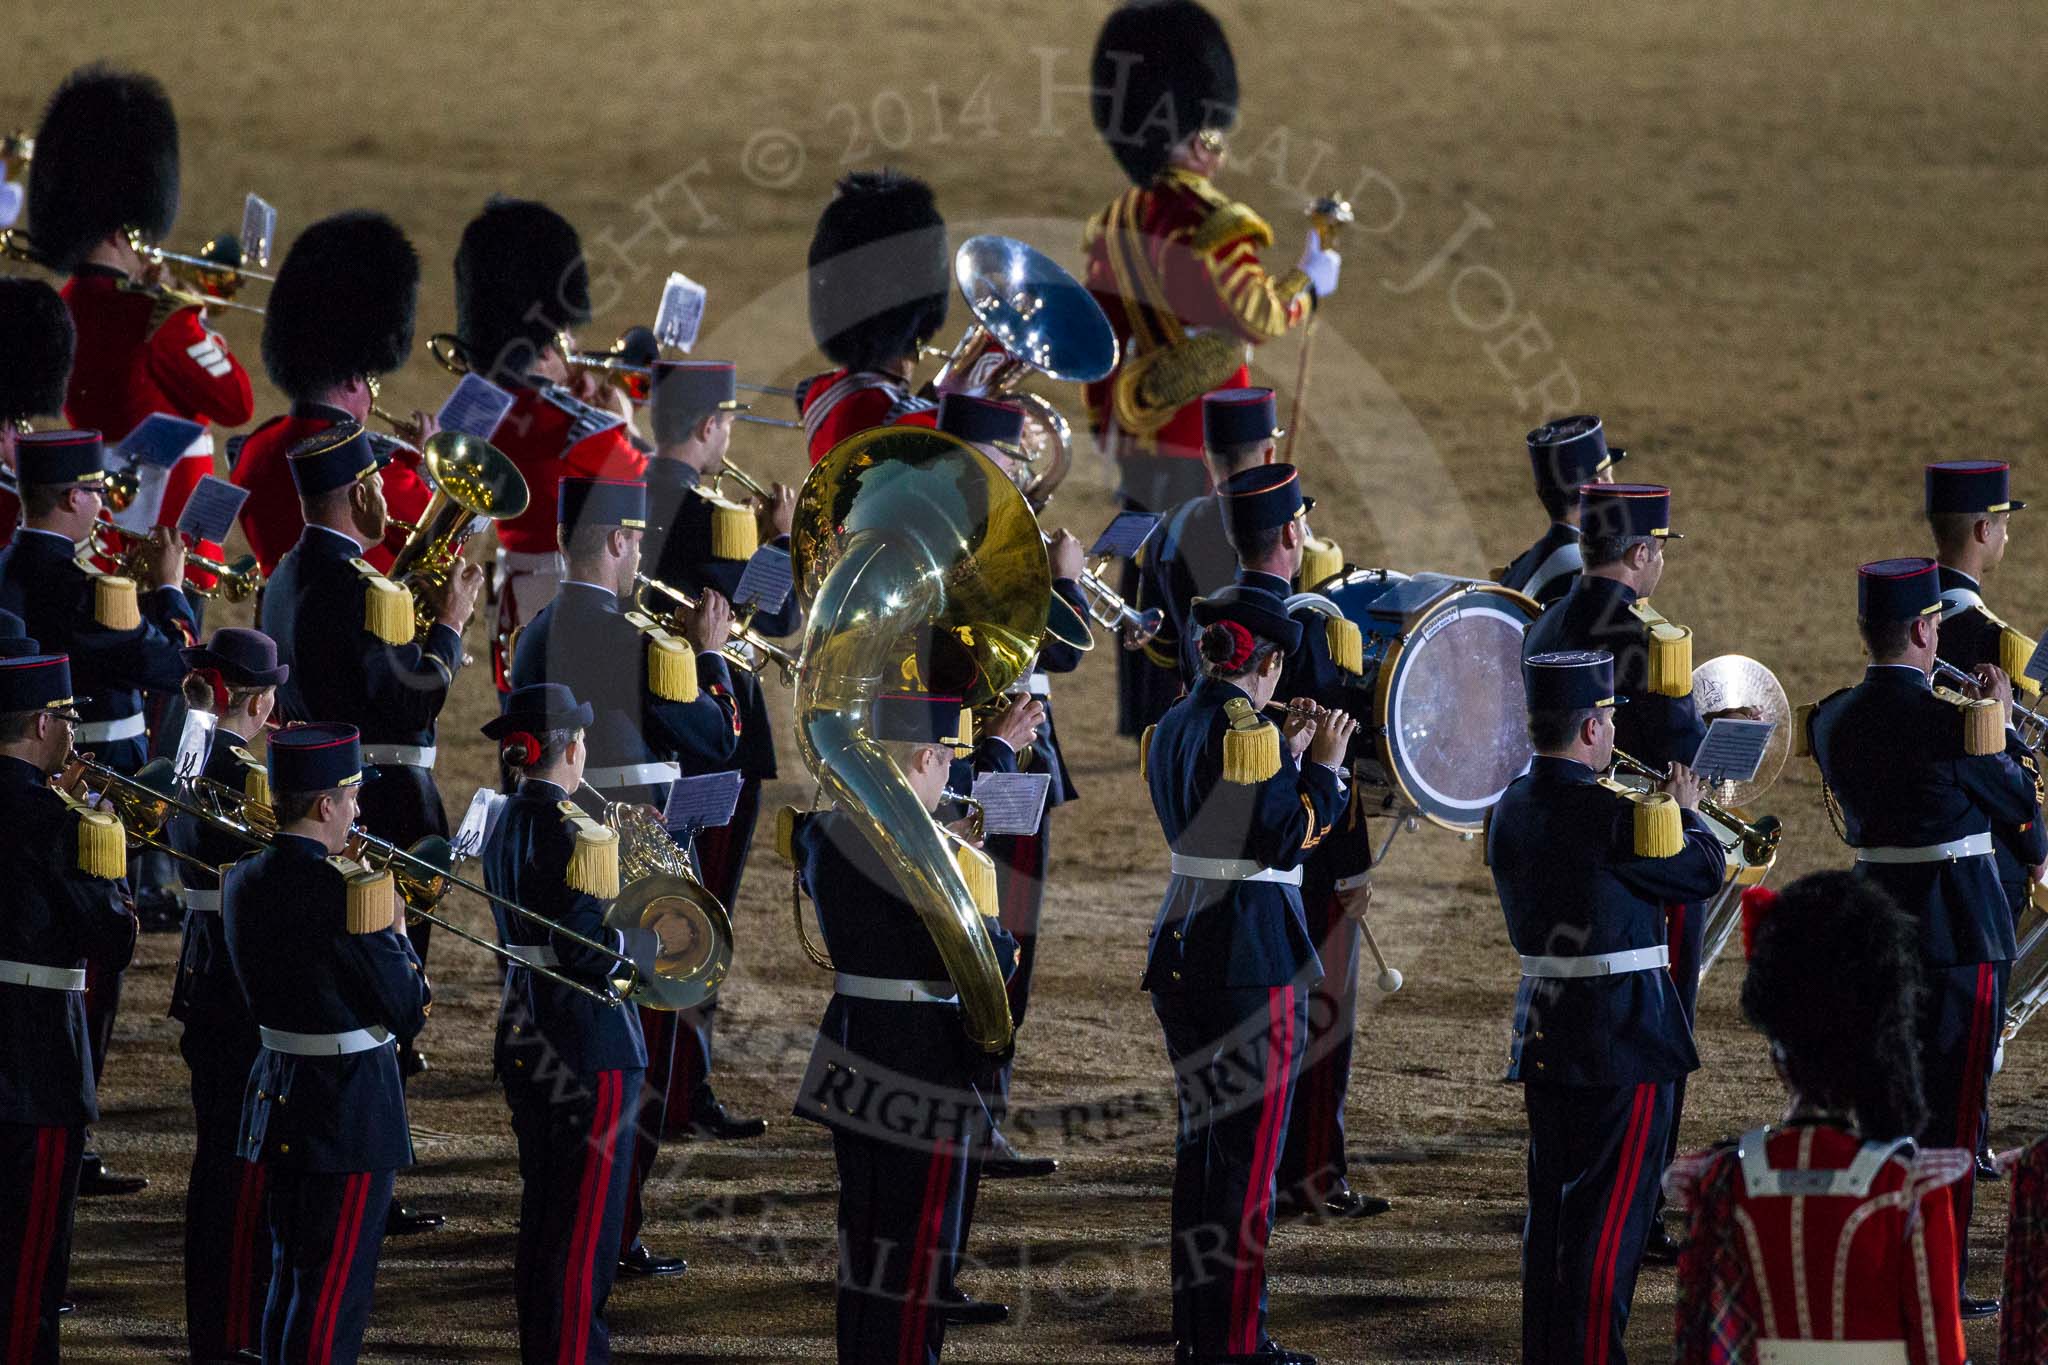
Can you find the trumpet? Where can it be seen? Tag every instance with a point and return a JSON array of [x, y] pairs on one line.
[[746, 643], [2031, 724], [1108, 608], [236, 581], [751, 485], [1757, 839]]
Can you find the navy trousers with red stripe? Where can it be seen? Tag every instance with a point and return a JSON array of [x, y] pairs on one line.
[[1314, 1163], [1596, 1160], [326, 1231], [39, 1177], [1235, 1057], [227, 1247], [574, 1155], [722, 862], [897, 1201], [1960, 1019]]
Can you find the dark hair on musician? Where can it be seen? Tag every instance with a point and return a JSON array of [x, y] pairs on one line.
[[1558, 502], [1885, 639], [1602, 550], [880, 276], [1228, 460], [1835, 983], [293, 807], [1225, 653], [1252, 547], [1954, 530], [18, 727], [41, 500], [1550, 731]]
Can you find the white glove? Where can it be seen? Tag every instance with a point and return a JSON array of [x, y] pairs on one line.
[[1319, 265], [10, 203]]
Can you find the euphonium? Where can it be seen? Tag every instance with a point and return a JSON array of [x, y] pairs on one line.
[[470, 479], [920, 561]]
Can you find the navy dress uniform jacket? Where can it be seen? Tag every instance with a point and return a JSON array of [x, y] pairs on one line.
[[302, 970], [584, 641], [1189, 556], [56, 916], [205, 997], [1595, 614], [42, 583], [545, 1027], [1562, 850], [1214, 935], [1892, 754], [1547, 569]]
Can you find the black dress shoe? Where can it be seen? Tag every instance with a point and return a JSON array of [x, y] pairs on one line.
[[66, 1307], [403, 1220], [1005, 1162], [1987, 1166], [1662, 1248], [718, 1122], [1979, 1308], [95, 1181], [964, 1310], [640, 1261], [411, 1063], [1345, 1202]]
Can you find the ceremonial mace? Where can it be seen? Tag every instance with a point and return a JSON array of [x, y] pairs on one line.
[[1328, 215]]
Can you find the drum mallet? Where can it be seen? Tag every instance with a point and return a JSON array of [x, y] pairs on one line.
[[1389, 979]]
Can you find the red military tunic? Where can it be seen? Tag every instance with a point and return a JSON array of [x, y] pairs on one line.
[[272, 519], [1807, 1233], [550, 434], [1170, 263], [137, 356], [840, 404]]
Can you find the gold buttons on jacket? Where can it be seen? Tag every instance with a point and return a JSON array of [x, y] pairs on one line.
[[285, 1148]]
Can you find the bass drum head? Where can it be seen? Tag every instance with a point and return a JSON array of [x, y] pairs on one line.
[[1448, 702]]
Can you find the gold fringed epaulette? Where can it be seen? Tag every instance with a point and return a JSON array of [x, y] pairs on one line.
[[785, 833], [1145, 753], [967, 731], [372, 901], [2015, 652], [387, 606], [1321, 560], [114, 604], [1983, 726], [1230, 221], [734, 532], [978, 870], [1670, 660], [594, 862], [1347, 643], [1251, 746], [671, 666], [102, 845], [1659, 826], [1802, 728]]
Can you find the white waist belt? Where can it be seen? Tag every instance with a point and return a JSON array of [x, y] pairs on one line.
[[100, 731], [45, 978], [530, 561], [1972, 846], [633, 775], [534, 954], [1779, 1352], [894, 990], [1232, 870], [399, 756], [323, 1044], [1601, 964], [208, 901]]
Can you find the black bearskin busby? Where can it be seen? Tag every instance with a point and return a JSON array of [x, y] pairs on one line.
[[106, 160], [1162, 71], [36, 343], [520, 278], [880, 274], [342, 305]]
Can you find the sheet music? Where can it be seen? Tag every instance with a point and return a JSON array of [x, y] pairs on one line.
[[159, 440], [706, 801], [475, 408], [681, 313], [2037, 662], [766, 581], [1733, 750], [478, 821], [211, 511], [1011, 803], [259, 231], [195, 742], [1125, 536]]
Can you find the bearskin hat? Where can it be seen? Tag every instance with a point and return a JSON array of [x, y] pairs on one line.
[[342, 305], [36, 343], [106, 159], [1162, 71], [880, 274], [520, 278]]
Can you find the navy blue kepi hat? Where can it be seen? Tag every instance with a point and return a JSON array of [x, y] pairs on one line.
[[1232, 418], [1262, 497], [983, 421], [315, 758], [243, 658], [919, 717], [335, 458], [54, 458], [1897, 590], [14, 637], [1970, 486], [1257, 610], [602, 502], [1570, 680], [35, 682], [536, 708], [1626, 509], [1571, 450]]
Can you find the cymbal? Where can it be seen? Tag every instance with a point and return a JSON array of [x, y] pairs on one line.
[[1728, 682]]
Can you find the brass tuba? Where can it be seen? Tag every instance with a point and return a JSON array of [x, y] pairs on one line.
[[919, 562], [471, 479], [656, 876]]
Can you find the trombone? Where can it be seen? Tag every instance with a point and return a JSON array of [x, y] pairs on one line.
[[1757, 839], [745, 643], [237, 581]]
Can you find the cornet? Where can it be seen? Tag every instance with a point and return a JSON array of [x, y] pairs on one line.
[[745, 643], [1758, 839], [234, 582], [2031, 724], [1109, 609]]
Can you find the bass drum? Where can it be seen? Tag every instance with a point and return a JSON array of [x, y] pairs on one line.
[[1443, 658]]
